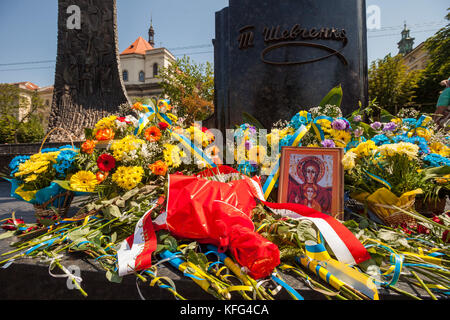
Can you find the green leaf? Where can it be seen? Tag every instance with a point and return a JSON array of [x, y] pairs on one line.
[[199, 259], [334, 97], [248, 118], [113, 277], [112, 211], [385, 116], [65, 184], [77, 234]]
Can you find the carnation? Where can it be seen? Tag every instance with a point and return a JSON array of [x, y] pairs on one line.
[[339, 124], [328, 143], [376, 125]]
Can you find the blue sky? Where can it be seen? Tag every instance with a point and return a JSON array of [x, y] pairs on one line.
[[28, 30]]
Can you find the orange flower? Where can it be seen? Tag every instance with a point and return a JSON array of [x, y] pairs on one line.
[[159, 168], [101, 176], [152, 134], [88, 146], [138, 106], [105, 134]]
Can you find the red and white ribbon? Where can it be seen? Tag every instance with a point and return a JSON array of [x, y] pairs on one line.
[[135, 253]]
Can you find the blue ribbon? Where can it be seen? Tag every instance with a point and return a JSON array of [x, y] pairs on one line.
[[287, 287]]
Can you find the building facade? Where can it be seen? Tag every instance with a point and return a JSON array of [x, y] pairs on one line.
[[140, 65], [414, 58]]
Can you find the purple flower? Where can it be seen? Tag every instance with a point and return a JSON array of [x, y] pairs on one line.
[[328, 143], [390, 126], [357, 118], [248, 144], [376, 125], [339, 124]]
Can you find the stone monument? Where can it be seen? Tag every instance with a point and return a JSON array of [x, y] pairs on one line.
[[273, 58], [87, 83]]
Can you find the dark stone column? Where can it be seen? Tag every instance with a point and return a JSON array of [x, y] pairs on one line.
[[88, 85]]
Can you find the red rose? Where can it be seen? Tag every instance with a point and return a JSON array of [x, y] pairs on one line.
[[163, 125], [106, 162]]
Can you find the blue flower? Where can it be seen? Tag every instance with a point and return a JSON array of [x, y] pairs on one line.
[[436, 160], [297, 121], [380, 139], [285, 141], [64, 161], [67, 155], [16, 161], [47, 150]]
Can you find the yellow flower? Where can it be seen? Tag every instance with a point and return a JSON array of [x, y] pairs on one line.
[[124, 146], [31, 178], [83, 181], [172, 155], [32, 167], [128, 177], [348, 161], [365, 148], [397, 121], [403, 148], [340, 137], [105, 123]]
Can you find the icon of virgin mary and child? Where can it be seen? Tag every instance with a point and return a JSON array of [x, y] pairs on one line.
[[304, 187]]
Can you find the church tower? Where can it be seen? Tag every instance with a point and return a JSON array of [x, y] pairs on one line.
[[151, 34], [405, 45]]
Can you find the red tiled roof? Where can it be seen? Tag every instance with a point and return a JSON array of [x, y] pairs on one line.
[[140, 46], [27, 85]]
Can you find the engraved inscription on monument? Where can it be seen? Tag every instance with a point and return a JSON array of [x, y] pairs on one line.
[[273, 58]]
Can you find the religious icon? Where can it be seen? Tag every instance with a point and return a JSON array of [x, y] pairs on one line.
[[312, 177]]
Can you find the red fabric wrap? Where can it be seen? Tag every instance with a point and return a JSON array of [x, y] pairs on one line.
[[220, 213]]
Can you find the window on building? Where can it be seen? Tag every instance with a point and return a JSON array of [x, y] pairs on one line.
[[155, 70], [125, 75], [142, 76]]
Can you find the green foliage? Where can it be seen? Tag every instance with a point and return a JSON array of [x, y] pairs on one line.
[[30, 131], [29, 127], [438, 68], [390, 84], [190, 87], [334, 97]]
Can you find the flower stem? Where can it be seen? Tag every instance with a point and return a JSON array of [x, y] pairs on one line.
[[424, 285]]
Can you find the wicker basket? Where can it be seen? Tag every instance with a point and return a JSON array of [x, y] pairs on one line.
[[385, 205], [57, 206], [396, 217]]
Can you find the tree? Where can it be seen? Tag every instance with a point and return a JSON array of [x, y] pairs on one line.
[[438, 68], [390, 84], [190, 87], [20, 119]]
